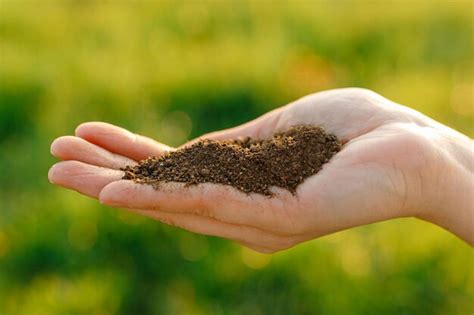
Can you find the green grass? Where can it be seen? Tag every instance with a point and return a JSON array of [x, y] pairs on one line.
[[174, 70]]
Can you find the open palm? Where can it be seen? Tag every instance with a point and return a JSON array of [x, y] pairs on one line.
[[376, 176]]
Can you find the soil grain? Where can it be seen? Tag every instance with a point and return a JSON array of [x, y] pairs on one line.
[[251, 165]]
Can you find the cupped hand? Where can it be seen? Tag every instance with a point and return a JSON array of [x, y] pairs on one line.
[[389, 156]]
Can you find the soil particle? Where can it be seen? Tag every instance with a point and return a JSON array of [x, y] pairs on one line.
[[251, 165]]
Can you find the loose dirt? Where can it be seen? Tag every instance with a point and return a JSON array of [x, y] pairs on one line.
[[251, 165]]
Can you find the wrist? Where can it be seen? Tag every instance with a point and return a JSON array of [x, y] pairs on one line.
[[450, 202]]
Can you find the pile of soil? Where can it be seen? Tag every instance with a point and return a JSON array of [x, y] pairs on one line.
[[250, 165]]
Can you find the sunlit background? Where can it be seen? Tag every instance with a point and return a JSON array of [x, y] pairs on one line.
[[174, 70]]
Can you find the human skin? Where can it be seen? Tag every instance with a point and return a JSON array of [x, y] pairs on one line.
[[395, 162]]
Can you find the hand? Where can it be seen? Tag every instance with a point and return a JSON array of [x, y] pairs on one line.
[[395, 163]]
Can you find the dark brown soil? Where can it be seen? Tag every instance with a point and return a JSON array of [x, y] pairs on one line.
[[250, 165]]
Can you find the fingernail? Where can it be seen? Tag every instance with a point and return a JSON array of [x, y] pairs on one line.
[[51, 174]]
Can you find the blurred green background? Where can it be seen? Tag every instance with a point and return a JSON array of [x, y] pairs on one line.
[[174, 70]]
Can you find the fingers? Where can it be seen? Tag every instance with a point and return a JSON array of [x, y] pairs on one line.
[[220, 202], [75, 148], [86, 179], [260, 128], [248, 236], [120, 141]]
